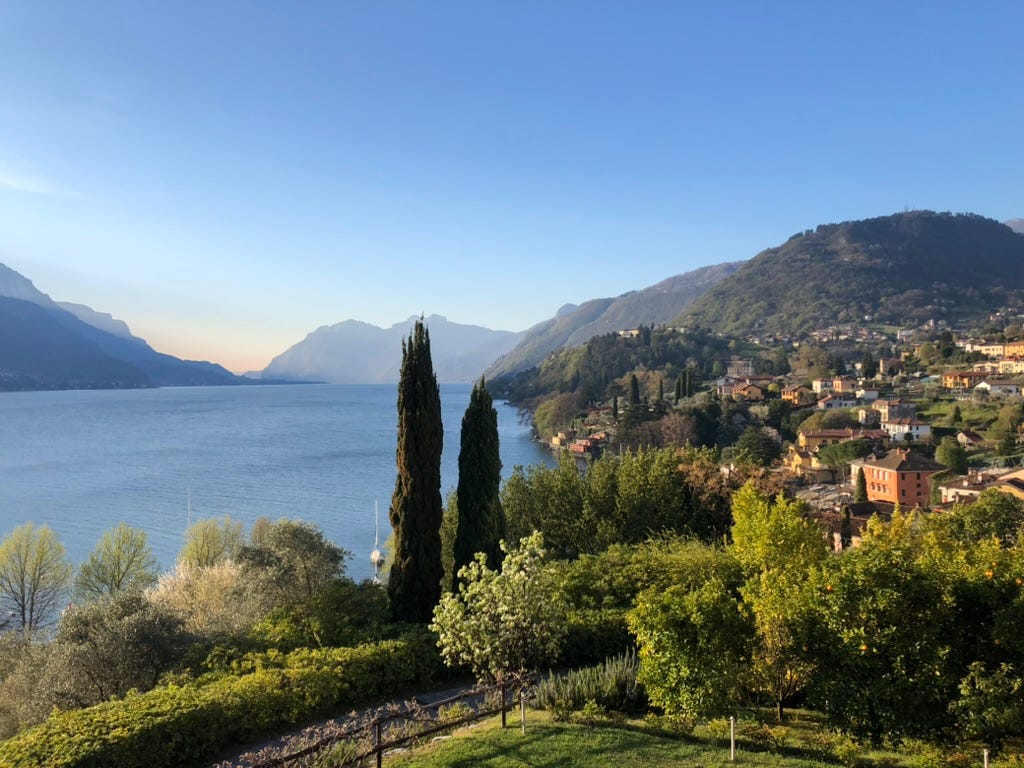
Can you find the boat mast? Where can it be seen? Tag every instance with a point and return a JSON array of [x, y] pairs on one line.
[[376, 557]]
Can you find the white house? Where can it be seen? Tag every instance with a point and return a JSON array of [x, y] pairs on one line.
[[832, 402], [993, 349], [904, 429], [821, 385], [998, 387]]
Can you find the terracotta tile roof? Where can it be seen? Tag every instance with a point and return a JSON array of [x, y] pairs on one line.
[[904, 461], [848, 433]]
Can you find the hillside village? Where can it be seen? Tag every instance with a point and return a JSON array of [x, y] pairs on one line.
[[933, 424]]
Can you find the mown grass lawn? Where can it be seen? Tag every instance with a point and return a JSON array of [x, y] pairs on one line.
[[549, 744]]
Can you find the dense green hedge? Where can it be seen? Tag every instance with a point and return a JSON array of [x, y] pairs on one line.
[[593, 635], [176, 724]]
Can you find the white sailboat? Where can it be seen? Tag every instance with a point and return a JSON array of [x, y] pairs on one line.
[[376, 557]]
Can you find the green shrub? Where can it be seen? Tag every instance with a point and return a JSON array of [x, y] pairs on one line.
[[682, 725], [933, 756], [454, 711], [612, 686], [764, 736], [591, 713], [822, 743], [846, 751], [177, 724], [718, 729], [593, 635]]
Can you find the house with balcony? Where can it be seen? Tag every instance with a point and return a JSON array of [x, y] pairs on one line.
[[798, 394], [1013, 349], [907, 430], [836, 401], [812, 440], [894, 409], [962, 379]]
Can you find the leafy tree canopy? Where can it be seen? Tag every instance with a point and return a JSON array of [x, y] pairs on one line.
[[505, 623], [122, 560]]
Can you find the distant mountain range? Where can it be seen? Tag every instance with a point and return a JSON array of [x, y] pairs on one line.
[[903, 269], [46, 345], [573, 325], [353, 352]]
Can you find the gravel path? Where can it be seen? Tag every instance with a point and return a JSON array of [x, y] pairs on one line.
[[257, 754]]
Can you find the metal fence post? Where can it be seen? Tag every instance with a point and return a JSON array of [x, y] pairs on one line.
[[504, 703], [377, 733], [732, 739], [522, 708]]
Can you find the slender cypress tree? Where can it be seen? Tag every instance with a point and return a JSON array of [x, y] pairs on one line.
[[634, 389], [846, 529], [414, 584], [860, 492], [481, 525]]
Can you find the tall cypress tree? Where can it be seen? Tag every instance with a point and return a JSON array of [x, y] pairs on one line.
[[481, 523], [634, 389], [860, 490], [414, 585]]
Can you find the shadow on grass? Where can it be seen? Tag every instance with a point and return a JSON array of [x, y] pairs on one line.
[[606, 743]]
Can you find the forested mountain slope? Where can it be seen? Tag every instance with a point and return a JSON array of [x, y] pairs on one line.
[[573, 326], [901, 269]]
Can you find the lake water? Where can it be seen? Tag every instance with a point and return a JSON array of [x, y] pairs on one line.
[[82, 462]]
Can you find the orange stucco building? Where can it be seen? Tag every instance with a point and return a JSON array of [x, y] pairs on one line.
[[899, 477]]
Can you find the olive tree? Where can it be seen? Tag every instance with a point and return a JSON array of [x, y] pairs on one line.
[[292, 563], [110, 646]]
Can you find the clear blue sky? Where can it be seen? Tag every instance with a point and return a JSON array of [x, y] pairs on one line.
[[227, 176]]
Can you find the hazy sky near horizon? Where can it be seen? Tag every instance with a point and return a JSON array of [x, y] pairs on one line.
[[227, 176]]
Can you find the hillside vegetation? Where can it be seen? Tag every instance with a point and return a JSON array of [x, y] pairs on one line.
[[902, 269], [574, 326]]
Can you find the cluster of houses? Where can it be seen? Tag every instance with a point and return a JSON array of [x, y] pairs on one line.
[[579, 446], [894, 474], [845, 520]]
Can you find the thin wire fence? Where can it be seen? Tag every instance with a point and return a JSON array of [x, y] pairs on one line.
[[364, 739]]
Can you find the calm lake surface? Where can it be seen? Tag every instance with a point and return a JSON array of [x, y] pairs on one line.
[[82, 462]]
